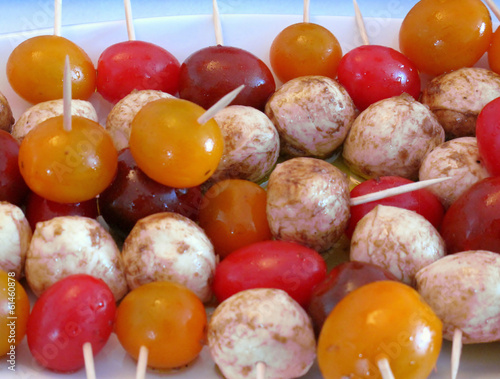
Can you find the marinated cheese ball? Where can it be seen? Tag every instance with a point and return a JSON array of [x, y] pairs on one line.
[[458, 159], [251, 144], [48, 109], [68, 245], [15, 237], [6, 117], [391, 137], [312, 115], [261, 325], [169, 246], [397, 239], [308, 202], [457, 97], [119, 120]]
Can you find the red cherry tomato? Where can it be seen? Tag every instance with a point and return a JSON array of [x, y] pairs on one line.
[[138, 65], [422, 201], [372, 73], [472, 222], [488, 136], [212, 72], [71, 312], [12, 186], [288, 266]]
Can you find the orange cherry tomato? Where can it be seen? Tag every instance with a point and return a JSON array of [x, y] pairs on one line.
[[305, 49], [165, 317], [14, 312], [233, 215], [35, 69], [385, 319], [494, 52], [171, 147], [68, 166], [444, 35]]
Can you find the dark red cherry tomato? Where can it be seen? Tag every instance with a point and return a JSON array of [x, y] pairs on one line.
[[288, 266], [212, 72], [138, 65], [472, 222], [343, 279], [371, 73], [488, 136], [12, 186], [422, 201], [40, 209], [133, 195], [71, 312]]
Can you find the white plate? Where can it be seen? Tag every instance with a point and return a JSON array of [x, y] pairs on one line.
[[182, 36]]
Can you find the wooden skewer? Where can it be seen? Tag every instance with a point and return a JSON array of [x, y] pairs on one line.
[[67, 96], [385, 369], [88, 357], [456, 352], [221, 104], [361, 23], [261, 370], [306, 11], [129, 20], [217, 25], [142, 363], [493, 8], [57, 17], [395, 191]]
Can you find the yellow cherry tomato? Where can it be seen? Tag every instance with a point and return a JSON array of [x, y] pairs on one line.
[[35, 69], [381, 320]]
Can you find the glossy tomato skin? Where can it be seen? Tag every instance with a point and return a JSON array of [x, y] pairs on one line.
[[73, 311], [472, 222], [12, 186], [40, 209], [371, 73], [288, 266], [133, 195], [421, 201], [488, 136], [138, 65], [341, 280], [210, 73]]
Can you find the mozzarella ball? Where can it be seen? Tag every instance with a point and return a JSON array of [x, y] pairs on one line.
[[119, 120], [251, 144], [261, 325], [458, 159], [397, 239], [48, 109], [168, 246], [69, 245], [464, 291], [312, 115], [6, 117], [308, 202], [15, 237], [391, 137], [457, 97]]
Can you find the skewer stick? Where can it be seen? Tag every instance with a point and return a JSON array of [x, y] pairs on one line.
[[493, 8], [361, 23], [221, 104], [129, 20], [456, 352], [261, 370], [385, 369], [395, 191], [306, 11], [57, 17], [142, 363], [88, 357], [217, 25], [67, 96]]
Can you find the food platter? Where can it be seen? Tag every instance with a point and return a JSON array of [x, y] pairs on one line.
[[181, 36]]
